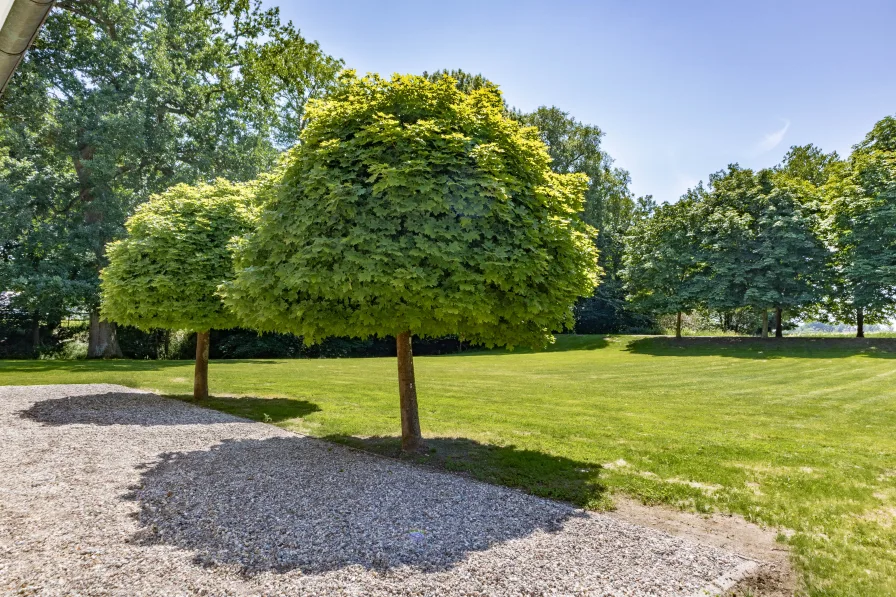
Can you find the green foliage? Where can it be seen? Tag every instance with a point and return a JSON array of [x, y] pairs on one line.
[[752, 239], [119, 100], [466, 82], [575, 147], [663, 269], [861, 200], [165, 274], [809, 163], [609, 207], [761, 238], [412, 205]]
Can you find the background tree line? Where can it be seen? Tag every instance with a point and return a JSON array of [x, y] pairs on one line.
[[118, 101], [813, 238]]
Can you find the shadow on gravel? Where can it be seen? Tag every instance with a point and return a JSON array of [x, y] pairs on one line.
[[289, 503], [766, 348], [148, 410], [534, 472]]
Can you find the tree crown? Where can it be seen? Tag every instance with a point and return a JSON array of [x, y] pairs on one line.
[[166, 272], [411, 205]]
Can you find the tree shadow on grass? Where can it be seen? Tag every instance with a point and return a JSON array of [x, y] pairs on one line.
[[147, 410], [294, 502], [765, 348], [531, 471], [563, 343]]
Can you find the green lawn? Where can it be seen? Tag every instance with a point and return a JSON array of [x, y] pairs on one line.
[[796, 434]]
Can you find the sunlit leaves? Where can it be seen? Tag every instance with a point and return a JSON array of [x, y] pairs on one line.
[[166, 272], [412, 205]]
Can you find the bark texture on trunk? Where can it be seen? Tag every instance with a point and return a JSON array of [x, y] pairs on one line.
[[765, 323], [102, 339], [860, 322], [200, 375], [779, 325], [678, 325], [411, 438]]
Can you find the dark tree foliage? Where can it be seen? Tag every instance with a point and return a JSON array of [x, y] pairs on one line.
[[609, 207], [118, 100], [861, 202]]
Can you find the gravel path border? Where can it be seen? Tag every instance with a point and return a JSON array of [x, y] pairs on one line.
[[106, 490]]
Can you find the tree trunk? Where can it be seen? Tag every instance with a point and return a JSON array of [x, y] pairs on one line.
[[411, 438], [102, 339], [779, 324], [200, 376], [765, 323], [860, 322], [35, 334], [678, 326]]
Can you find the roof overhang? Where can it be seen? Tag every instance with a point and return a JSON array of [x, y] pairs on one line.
[[20, 20]]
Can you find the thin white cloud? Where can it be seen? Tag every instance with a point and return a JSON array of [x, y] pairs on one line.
[[772, 140]]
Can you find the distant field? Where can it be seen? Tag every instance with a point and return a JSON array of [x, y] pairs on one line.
[[795, 433]]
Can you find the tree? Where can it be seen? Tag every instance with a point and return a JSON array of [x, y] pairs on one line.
[[466, 82], [609, 207], [862, 208], [166, 272], [119, 100], [763, 245], [809, 163], [662, 258], [413, 208]]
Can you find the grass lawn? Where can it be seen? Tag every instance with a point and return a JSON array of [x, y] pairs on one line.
[[796, 433]]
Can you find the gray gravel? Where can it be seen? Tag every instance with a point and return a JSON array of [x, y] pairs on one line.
[[110, 491]]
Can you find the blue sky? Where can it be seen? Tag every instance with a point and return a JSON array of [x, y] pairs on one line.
[[680, 88]]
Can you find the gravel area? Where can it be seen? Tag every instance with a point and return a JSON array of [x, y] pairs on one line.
[[106, 490]]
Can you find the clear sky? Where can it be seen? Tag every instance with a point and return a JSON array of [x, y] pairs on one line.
[[680, 88]]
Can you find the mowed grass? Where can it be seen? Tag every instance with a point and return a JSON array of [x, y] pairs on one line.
[[797, 434]]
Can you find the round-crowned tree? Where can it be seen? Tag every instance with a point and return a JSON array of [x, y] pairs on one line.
[[413, 208], [165, 273]]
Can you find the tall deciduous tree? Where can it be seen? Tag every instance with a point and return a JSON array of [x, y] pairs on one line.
[[118, 100], [609, 207], [413, 208], [809, 163], [862, 207], [663, 269], [166, 272], [764, 247]]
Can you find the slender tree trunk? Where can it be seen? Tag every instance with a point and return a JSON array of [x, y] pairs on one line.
[[102, 339], [35, 334], [678, 325], [779, 324], [411, 438], [765, 323], [860, 322], [200, 376]]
